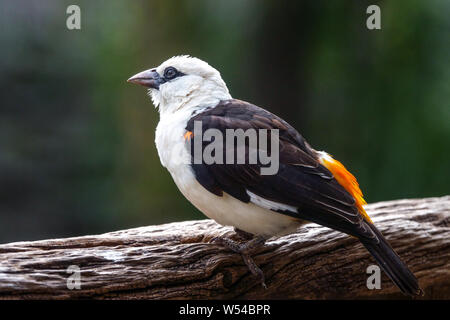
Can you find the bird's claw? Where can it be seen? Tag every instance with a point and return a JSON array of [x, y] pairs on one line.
[[244, 250], [254, 269]]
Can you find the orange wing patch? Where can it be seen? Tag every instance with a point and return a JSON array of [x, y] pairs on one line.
[[345, 179], [188, 136]]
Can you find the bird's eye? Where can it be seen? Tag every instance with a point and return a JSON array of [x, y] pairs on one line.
[[170, 73]]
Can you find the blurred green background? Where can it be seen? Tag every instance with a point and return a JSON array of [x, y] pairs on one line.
[[77, 153]]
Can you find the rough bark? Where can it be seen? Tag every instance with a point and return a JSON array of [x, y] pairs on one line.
[[175, 261]]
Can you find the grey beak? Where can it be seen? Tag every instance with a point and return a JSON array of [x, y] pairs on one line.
[[148, 78]]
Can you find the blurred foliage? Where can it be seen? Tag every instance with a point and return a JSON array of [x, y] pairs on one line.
[[76, 141]]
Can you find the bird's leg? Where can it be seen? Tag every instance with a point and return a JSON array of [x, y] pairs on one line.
[[245, 249], [243, 235]]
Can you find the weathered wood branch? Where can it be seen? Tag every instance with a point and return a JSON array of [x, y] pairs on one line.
[[175, 261]]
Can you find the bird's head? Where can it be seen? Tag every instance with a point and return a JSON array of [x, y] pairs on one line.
[[182, 82]]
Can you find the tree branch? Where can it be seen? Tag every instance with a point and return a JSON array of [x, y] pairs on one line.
[[175, 261]]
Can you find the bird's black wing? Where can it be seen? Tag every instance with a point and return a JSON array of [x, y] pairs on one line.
[[302, 181]]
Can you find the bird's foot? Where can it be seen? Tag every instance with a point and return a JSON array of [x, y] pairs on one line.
[[245, 249], [243, 234]]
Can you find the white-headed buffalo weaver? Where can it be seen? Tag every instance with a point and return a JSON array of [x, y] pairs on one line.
[[310, 186]]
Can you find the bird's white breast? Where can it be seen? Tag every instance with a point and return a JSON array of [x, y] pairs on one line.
[[226, 209]]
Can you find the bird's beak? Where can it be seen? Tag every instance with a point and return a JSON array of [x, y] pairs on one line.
[[148, 78]]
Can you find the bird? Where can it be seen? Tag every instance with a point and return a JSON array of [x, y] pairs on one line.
[[309, 186]]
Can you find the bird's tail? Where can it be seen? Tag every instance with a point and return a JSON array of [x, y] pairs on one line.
[[391, 263]]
